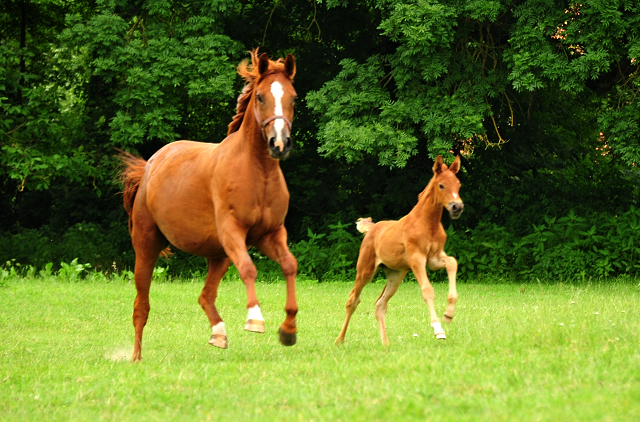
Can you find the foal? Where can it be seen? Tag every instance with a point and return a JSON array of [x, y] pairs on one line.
[[411, 243]]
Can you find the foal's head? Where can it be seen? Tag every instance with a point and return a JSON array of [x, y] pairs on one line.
[[447, 186]]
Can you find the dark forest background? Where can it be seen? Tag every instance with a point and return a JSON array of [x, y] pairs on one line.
[[540, 98]]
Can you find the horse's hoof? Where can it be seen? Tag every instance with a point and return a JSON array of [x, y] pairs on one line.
[[446, 318], [254, 325], [286, 339], [441, 336], [219, 340]]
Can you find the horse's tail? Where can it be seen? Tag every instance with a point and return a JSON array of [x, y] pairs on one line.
[[131, 173], [132, 170], [364, 224]]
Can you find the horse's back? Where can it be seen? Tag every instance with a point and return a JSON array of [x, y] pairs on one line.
[[178, 194]]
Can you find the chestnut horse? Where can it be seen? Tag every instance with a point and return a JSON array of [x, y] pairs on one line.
[[218, 200], [411, 243]]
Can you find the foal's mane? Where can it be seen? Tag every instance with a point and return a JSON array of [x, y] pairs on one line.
[[252, 77]]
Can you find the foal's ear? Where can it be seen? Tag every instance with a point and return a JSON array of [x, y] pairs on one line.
[[263, 63], [455, 166], [439, 166], [290, 66]]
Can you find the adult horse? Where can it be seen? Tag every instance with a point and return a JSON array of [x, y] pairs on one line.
[[218, 200], [410, 244]]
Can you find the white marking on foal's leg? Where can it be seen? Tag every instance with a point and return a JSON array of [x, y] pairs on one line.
[[438, 331], [219, 336], [278, 124], [255, 321]]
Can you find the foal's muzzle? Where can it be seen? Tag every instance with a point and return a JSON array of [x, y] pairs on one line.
[[455, 209]]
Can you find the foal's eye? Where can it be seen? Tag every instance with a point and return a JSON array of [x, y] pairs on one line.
[[441, 186]]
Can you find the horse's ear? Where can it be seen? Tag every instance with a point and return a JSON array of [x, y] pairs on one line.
[[290, 66], [455, 166], [263, 63], [439, 166]]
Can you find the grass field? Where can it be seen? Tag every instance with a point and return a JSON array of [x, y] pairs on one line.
[[532, 352]]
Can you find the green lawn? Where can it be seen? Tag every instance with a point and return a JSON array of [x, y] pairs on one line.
[[514, 353]]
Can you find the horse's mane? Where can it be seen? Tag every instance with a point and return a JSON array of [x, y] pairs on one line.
[[251, 76]]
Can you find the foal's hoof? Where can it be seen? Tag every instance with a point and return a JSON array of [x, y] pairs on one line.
[[446, 318], [219, 340], [286, 339], [254, 325], [441, 336]]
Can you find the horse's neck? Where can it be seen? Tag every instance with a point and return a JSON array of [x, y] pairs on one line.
[[251, 142], [427, 211]]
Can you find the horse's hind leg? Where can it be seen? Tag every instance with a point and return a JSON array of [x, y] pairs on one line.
[[216, 269], [394, 278], [275, 247], [366, 269], [148, 242], [143, 273]]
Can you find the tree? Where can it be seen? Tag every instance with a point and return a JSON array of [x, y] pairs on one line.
[[465, 74]]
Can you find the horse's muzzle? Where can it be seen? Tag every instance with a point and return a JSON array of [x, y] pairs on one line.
[[280, 148], [455, 209]]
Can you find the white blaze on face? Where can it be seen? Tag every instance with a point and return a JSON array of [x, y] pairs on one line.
[[278, 124], [455, 196]]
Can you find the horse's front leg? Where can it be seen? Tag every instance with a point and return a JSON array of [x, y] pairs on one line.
[[233, 242], [451, 265], [417, 262], [274, 246]]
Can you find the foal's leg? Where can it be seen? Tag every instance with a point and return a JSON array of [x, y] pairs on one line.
[[275, 247], [418, 266], [394, 278], [366, 269], [216, 268], [450, 263]]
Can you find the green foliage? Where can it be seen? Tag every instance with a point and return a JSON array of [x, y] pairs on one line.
[[565, 248], [72, 270], [167, 70], [539, 97], [84, 242], [328, 257]]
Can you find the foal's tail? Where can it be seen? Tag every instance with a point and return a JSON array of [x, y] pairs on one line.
[[364, 224]]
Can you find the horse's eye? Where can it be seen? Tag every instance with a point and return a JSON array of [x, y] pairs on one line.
[[441, 186], [259, 97]]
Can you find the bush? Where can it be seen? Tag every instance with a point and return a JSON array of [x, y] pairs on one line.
[[561, 248]]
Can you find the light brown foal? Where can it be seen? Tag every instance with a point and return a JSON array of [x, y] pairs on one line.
[[411, 244]]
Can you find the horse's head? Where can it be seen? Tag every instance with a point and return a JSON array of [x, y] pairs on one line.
[[274, 101], [447, 186]]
